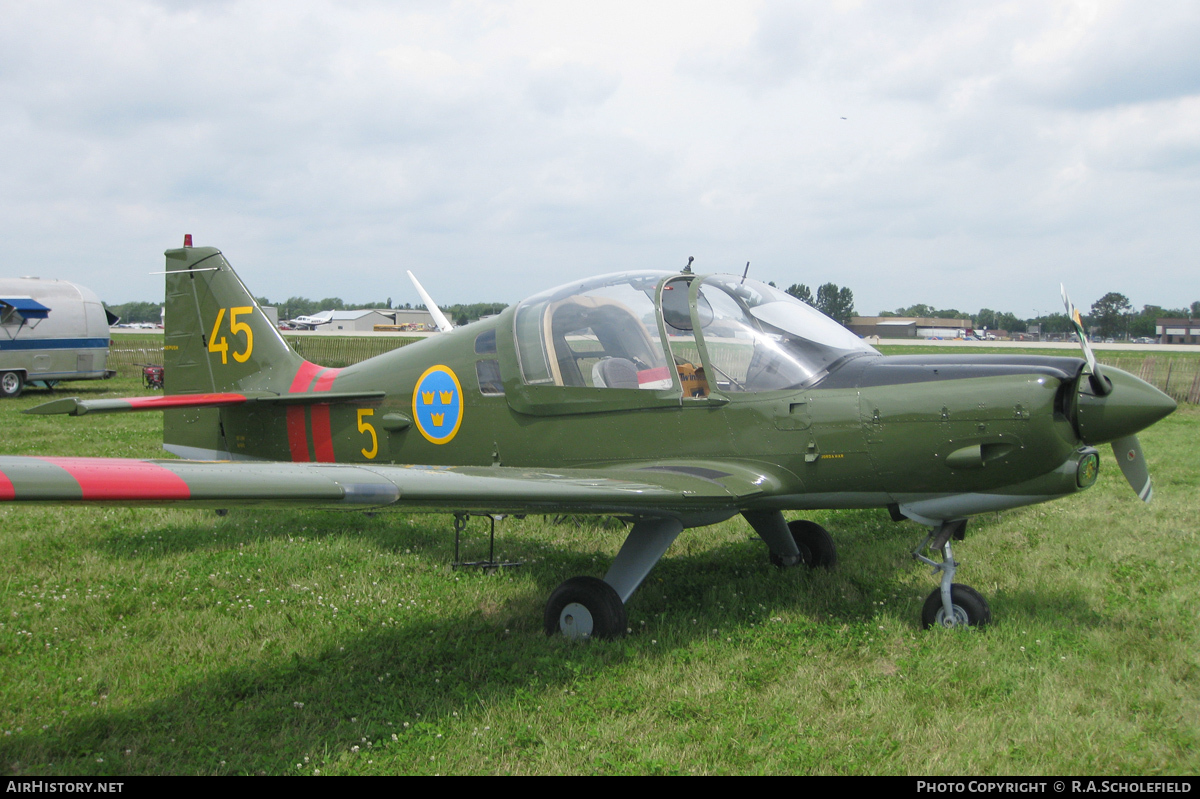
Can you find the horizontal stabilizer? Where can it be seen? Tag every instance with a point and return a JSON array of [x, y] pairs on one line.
[[73, 406]]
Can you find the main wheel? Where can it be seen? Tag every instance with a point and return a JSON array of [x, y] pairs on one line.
[[585, 607], [11, 384], [970, 608], [816, 546]]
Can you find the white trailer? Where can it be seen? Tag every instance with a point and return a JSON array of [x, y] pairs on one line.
[[50, 330]]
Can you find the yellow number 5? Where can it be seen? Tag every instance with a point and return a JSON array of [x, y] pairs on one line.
[[365, 427], [235, 326]]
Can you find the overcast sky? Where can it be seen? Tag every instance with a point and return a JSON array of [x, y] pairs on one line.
[[962, 155]]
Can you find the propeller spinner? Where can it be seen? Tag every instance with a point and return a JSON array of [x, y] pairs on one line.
[[1115, 409]]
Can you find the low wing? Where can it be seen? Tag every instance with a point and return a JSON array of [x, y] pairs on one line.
[[639, 489]]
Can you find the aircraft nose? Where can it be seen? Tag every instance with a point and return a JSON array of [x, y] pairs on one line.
[[1132, 405]]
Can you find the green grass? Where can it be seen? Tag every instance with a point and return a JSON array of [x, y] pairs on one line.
[[163, 641]]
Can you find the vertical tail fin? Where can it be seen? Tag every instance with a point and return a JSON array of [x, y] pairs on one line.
[[216, 339]]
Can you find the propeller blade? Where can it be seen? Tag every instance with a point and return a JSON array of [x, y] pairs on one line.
[[1128, 453], [439, 318], [1099, 385]]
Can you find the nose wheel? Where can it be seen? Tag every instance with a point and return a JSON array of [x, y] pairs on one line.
[[952, 604], [968, 608]]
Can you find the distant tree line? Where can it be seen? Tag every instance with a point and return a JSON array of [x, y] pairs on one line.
[[836, 302], [1112, 315], [303, 306], [462, 313], [137, 312]]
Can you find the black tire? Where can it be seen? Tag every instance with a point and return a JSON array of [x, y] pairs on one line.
[[815, 544], [585, 607], [11, 384], [969, 607]]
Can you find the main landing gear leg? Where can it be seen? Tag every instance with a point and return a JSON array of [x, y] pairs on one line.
[[773, 529], [952, 604], [793, 543], [585, 607]]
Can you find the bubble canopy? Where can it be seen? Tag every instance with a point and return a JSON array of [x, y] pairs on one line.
[[667, 331]]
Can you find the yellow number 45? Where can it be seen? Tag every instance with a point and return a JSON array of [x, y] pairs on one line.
[[217, 342]]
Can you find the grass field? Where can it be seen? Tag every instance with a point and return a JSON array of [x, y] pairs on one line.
[[182, 642]]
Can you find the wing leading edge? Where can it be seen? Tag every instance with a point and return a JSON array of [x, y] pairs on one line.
[[640, 489]]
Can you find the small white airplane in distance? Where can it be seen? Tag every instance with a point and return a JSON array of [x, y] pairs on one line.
[[444, 325], [311, 322]]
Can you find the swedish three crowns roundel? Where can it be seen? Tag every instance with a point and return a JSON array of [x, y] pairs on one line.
[[437, 404]]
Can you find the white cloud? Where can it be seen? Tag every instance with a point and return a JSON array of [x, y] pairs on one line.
[[943, 153]]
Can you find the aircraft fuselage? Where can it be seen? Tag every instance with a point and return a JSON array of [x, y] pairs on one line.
[[875, 431]]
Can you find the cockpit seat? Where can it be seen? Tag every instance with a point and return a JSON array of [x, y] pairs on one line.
[[614, 373]]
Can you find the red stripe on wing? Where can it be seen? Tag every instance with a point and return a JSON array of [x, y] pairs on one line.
[[186, 401], [303, 378], [118, 479], [322, 434]]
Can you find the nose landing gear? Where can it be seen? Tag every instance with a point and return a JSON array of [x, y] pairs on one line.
[[952, 604]]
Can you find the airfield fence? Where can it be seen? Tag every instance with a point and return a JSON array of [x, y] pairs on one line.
[[342, 351], [128, 360], [1177, 375], [1178, 378], [332, 351]]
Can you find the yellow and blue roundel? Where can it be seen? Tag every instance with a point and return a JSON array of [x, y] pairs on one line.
[[438, 404]]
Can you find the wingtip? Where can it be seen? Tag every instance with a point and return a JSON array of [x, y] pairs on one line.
[[67, 405]]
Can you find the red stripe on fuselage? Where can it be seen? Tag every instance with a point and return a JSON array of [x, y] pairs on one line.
[[304, 377], [297, 435], [117, 479], [322, 434], [6, 488], [321, 429], [186, 401], [325, 380]]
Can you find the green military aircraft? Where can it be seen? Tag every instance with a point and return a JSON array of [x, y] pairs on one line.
[[674, 400]]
